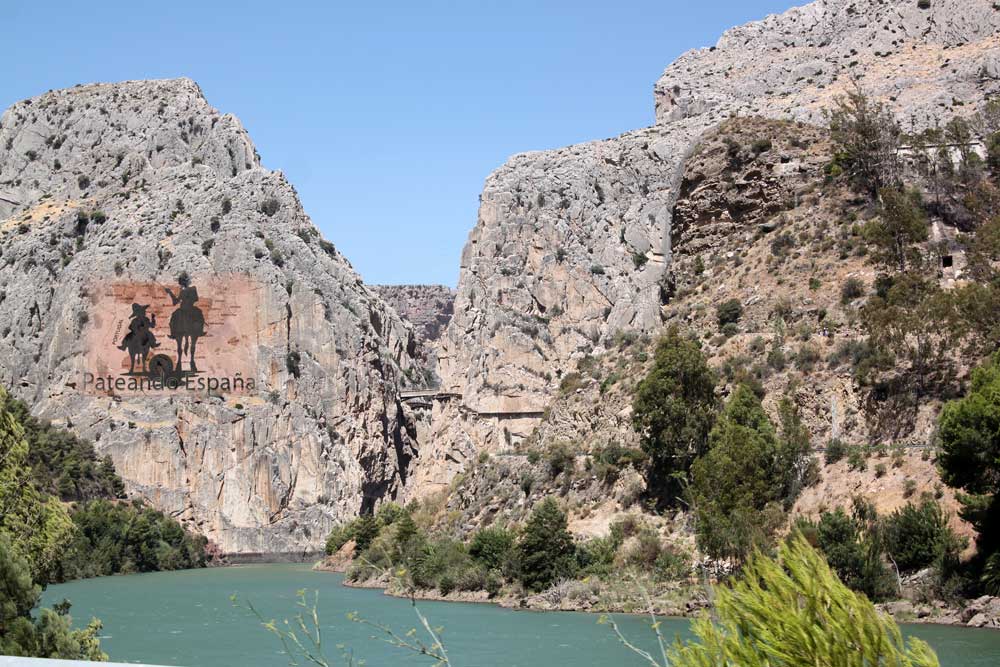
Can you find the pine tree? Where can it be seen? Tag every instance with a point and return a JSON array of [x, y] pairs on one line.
[[794, 611], [740, 487], [546, 548], [969, 432], [673, 412]]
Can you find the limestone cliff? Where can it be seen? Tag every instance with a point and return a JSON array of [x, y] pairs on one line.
[[574, 245], [118, 189], [429, 309]]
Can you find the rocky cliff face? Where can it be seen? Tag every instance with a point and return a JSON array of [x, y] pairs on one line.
[[756, 221], [429, 309], [118, 189], [574, 245]]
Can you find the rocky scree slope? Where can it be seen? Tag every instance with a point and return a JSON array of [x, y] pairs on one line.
[[142, 181], [575, 245]]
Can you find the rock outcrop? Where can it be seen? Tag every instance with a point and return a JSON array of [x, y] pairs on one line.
[[429, 309], [120, 188], [573, 246]]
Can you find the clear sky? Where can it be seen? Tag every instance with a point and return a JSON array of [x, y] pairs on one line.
[[387, 117]]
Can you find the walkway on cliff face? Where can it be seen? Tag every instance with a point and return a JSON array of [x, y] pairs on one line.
[[426, 398]]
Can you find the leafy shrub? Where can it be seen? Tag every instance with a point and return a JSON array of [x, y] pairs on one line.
[[857, 458], [596, 557], [645, 551], [388, 513], [852, 551], [806, 358], [917, 535], [292, 361], [560, 459], [339, 536], [781, 244], [571, 382], [776, 358], [612, 458], [492, 546], [852, 289], [836, 449], [672, 564], [761, 146], [527, 482], [270, 206], [728, 312]]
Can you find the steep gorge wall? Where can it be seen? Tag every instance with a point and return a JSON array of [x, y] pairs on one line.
[[107, 188], [574, 245]]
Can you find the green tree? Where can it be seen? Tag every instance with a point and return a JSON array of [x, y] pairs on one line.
[[866, 138], [673, 411], [546, 547], [492, 546], [969, 433], [388, 513], [365, 531], [737, 487], [852, 546], [900, 226], [917, 535], [37, 527], [48, 636], [794, 611], [993, 153], [62, 464]]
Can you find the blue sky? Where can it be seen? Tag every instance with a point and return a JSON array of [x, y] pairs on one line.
[[387, 117]]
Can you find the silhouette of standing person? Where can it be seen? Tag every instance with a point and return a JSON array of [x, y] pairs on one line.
[[187, 323]]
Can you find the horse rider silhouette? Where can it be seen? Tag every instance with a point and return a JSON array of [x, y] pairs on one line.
[[140, 338], [187, 323]]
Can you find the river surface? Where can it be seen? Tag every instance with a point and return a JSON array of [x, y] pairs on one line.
[[187, 619]]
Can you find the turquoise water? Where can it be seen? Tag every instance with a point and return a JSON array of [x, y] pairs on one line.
[[186, 618]]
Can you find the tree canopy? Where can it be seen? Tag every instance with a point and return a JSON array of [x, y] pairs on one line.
[[738, 487], [969, 432], [673, 411], [547, 552]]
